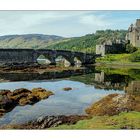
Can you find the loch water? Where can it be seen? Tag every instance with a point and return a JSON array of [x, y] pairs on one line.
[[88, 86]]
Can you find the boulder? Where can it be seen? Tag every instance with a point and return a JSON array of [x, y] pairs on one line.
[[21, 90], [38, 90], [30, 99], [2, 111], [41, 93], [5, 92], [67, 88], [22, 96], [17, 94], [5, 102], [23, 101], [34, 96]]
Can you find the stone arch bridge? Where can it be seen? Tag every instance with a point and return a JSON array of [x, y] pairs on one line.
[[30, 56]]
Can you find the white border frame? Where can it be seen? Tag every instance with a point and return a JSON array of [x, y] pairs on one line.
[[70, 5]]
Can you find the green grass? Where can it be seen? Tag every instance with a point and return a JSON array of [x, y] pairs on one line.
[[129, 120], [121, 59]]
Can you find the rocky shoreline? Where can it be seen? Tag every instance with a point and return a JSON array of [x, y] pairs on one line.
[[10, 99], [33, 68], [48, 122], [110, 105], [114, 104]]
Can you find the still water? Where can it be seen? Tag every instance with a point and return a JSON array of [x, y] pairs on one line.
[[86, 90]]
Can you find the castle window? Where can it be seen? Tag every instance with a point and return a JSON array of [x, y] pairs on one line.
[[138, 37]]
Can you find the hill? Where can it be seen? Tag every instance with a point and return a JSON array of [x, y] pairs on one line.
[[88, 42], [85, 43], [28, 41]]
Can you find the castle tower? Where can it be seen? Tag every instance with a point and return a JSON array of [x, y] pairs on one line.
[[133, 35], [138, 23]]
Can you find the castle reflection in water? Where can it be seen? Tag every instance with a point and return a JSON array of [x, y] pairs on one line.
[[118, 82], [133, 88]]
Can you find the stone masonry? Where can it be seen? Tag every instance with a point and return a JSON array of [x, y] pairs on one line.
[[133, 35], [30, 56]]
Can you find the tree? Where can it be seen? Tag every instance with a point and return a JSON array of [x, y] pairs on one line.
[[130, 48], [135, 57]]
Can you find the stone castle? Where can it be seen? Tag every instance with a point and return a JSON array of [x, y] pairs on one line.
[[117, 46], [133, 35], [109, 47]]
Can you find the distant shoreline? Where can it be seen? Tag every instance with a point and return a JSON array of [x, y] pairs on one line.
[[116, 64]]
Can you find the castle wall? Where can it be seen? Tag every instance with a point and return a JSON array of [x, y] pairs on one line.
[[115, 48], [100, 49]]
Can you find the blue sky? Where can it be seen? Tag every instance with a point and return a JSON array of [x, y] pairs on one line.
[[64, 23]]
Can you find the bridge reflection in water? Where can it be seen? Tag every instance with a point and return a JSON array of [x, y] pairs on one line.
[[100, 79], [24, 76]]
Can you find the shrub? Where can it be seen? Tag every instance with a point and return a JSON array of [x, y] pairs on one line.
[[135, 57], [130, 48]]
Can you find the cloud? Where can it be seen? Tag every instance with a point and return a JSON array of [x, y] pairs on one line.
[[95, 20], [64, 23], [19, 22]]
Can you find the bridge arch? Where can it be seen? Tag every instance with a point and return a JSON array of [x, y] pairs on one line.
[[67, 55], [77, 60], [62, 60], [48, 54], [42, 59], [28, 56]]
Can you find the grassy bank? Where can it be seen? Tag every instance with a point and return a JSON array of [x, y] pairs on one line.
[[132, 59], [129, 120]]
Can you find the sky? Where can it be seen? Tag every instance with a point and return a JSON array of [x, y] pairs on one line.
[[64, 23]]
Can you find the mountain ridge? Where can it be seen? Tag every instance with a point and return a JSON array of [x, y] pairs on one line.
[[28, 40], [86, 43]]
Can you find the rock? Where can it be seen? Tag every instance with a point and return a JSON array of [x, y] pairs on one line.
[[48, 121], [21, 90], [41, 93], [1, 98], [114, 104], [2, 111], [6, 102], [5, 92], [23, 101], [105, 106], [30, 99], [40, 119], [33, 99], [22, 96], [17, 94], [53, 121], [67, 88], [38, 90], [57, 123]]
